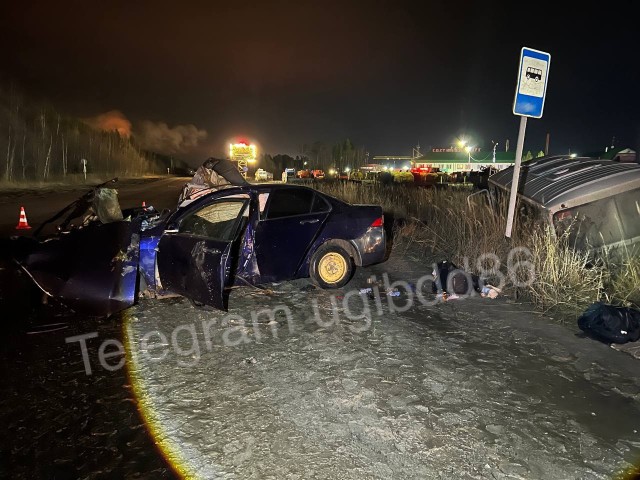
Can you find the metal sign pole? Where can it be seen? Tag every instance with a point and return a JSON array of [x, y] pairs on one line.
[[531, 90], [513, 197]]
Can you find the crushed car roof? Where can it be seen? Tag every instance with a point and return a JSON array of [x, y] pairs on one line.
[[555, 180]]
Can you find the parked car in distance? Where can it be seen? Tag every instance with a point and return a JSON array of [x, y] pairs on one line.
[[596, 201], [307, 173], [289, 172], [356, 176], [263, 176]]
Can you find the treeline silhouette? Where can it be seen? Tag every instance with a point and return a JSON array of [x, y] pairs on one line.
[[37, 143]]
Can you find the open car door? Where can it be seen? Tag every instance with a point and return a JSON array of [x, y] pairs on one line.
[[93, 270], [196, 257]]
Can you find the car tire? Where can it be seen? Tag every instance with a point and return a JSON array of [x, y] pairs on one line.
[[331, 267]]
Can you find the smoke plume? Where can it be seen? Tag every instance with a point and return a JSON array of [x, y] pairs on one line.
[[159, 137], [110, 121], [155, 136]]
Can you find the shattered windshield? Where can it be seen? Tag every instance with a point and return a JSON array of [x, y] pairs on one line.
[[216, 221]]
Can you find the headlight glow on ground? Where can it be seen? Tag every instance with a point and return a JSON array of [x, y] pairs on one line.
[[165, 444]]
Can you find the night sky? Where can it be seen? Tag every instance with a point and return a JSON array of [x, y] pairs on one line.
[[385, 74]]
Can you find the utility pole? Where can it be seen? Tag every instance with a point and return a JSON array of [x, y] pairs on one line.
[[546, 144]]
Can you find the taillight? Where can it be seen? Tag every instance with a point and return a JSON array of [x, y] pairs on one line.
[[378, 222]]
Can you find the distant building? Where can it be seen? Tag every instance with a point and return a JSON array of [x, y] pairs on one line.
[[448, 160], [454, 160], [390, 162], [619, 154]]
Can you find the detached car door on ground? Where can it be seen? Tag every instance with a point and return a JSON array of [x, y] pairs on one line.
[[195, 255]]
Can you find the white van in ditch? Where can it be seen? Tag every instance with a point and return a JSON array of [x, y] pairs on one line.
[[598, 200]]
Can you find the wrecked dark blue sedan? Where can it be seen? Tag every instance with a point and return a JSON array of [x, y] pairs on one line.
[[237, 235]]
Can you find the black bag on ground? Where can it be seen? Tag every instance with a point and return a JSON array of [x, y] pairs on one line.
[[611, 324], [451, 279]]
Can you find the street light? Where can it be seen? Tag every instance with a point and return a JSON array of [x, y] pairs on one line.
[[463, 143], [468, 150]]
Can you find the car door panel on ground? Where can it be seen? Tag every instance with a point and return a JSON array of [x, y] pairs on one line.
[[195, 260], [292, 220]]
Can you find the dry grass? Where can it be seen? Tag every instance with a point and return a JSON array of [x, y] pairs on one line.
[[566, 280], [444, 224], [441, 221], [624, 287]]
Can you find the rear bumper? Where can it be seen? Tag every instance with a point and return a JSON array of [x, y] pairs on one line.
[[371, 246]]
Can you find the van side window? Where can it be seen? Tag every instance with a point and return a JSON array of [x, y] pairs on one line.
[[629, 208], [591, 225]]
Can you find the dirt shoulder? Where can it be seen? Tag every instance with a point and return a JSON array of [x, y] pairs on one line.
[[470, 388]]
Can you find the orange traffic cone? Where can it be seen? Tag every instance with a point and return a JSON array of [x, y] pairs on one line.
[[22, 223], [144, 204]]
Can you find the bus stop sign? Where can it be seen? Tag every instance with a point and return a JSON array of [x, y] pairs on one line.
[[532, 83]]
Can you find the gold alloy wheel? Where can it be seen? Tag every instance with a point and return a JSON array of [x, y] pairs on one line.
[[332, 267]]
